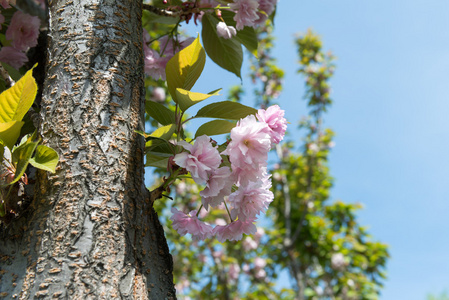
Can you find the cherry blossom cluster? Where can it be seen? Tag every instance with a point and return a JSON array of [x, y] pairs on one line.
[[242, 186], [155, 62], [22, 34], [247, 13]]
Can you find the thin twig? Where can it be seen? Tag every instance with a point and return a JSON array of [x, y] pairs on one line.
[[5, 75], [161, 11]]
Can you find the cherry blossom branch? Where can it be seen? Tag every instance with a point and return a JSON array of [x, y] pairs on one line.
[[287, 200], [161, 11], [297, 274]]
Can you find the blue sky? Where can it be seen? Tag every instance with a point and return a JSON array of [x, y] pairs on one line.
[[390, 114]]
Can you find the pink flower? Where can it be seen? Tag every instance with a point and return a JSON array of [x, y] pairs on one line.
[[23, 30], [273, 116], [249, 144], [5, 4], [266, 6], [154, 64], [202, 160], [158, 94], [246, 12], [249, 244], [234, 231], [250, 200], [184, 224], [218, 186], [244, 176], [234, 271], [13, 57], [260, 274], [259, 234], [170, 48], [259, 263], [224, 31]]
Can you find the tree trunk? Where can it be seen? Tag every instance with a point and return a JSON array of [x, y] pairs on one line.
[[90, 231]]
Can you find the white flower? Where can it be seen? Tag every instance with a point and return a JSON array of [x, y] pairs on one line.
[[224, 31], [338, 261]]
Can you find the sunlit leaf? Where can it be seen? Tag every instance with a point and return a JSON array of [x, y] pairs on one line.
[[17, 100], [9, 132], [45, 158], [185, 67], [185, 98], [164, 132]]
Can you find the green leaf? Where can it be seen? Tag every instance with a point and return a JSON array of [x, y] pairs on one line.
[[225, 110], [17, 100], [45, 158], [164, 132], [247, 36], [156, 160], [215, 92], [22, 156], [227, 53], [185, 67], [160, 146], [215, 127], [185, 98], [159, 112], [9, 132]]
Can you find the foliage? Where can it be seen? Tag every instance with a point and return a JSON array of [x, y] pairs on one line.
[[14, 104], [326, 252], [442, 296], [320, 244]]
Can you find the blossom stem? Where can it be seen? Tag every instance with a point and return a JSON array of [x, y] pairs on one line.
[[198, 213], [227, 209]]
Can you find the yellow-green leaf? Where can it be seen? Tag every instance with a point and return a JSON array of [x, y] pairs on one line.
[[185, 98], [9, 132], [45, 158], [17, 100], [185, 67], [164, 132]]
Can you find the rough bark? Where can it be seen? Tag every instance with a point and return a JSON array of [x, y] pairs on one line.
[[91, 231]]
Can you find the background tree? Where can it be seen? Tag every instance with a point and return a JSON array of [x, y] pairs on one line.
[[327, 253], [89, 230]]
